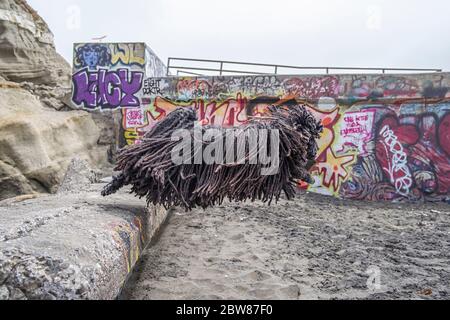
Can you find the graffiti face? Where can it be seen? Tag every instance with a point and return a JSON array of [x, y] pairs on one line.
[[92, 56]]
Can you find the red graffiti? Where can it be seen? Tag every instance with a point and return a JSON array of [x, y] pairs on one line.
[[414, 155], [228, 113], [397, 86], [313, 88], [444, 134], [193, 88], [392, 156]]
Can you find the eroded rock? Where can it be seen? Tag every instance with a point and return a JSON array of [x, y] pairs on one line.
[[78, 176], [27, 50], [38, 143]]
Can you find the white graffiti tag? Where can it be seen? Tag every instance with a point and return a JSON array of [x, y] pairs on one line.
[[398, 170]]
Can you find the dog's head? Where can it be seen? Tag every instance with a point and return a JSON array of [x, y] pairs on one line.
[[302, 120]]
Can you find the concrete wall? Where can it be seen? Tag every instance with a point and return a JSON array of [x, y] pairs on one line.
[[114, 77], [386, 137], [122, 66], [73, 245]]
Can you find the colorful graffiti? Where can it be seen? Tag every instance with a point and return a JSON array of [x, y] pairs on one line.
[[385, 137], [107, 89], [314, 87], [228, 113], [356, 130], [111, 75], [94, 55], [130, 237], [410, 160]]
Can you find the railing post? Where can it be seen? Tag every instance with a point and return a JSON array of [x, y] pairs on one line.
[[168, 67], [276, 69], [221, 67], [384, 71], [328, 70]]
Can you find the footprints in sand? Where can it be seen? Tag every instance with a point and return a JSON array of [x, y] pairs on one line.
[[295, 250], [201, 256], [258, 276], [237, 237]]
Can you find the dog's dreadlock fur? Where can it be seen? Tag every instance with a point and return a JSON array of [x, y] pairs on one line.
[[149, 169]]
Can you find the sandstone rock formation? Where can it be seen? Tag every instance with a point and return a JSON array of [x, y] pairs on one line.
[[40, 133], [38, 143], [27, 51]]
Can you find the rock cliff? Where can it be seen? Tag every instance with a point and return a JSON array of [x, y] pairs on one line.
[[39, 132], [27, 50]]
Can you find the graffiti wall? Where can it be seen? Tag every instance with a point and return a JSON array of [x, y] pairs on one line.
[[386, 137], [111, 75]]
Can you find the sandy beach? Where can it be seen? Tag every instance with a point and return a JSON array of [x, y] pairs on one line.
[[315, 247]]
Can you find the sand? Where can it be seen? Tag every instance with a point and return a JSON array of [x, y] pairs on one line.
[[315, 247]]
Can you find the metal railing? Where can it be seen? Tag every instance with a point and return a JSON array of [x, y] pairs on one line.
[[223, 66]]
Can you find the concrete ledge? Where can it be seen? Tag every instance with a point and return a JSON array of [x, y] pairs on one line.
[[72, 245]]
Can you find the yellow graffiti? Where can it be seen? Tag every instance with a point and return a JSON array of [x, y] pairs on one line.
[[131, 135], [333, 169], [131, 249], [126, 54]]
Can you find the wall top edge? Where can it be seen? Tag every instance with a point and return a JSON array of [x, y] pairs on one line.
[[93, 42], [421, 74]]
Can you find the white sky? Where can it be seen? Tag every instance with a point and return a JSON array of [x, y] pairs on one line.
[[375, 33]]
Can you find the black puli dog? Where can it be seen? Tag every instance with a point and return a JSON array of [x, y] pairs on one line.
[[235, 174]]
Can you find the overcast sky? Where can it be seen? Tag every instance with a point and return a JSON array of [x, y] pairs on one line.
[[376, 33]]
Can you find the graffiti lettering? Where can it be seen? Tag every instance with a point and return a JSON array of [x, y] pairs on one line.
[[398, 170], [385, 137], [134, 117], [392, 86], [126, 54], [107, 89], [152, 87], [357, 130], [313, 88], [191, 89]]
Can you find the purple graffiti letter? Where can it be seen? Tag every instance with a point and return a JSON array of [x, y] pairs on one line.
[[84, 88], [109, 89], [130, 87]]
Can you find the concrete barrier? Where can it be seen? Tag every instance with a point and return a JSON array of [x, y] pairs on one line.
[[72, 245], [386, 136]]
